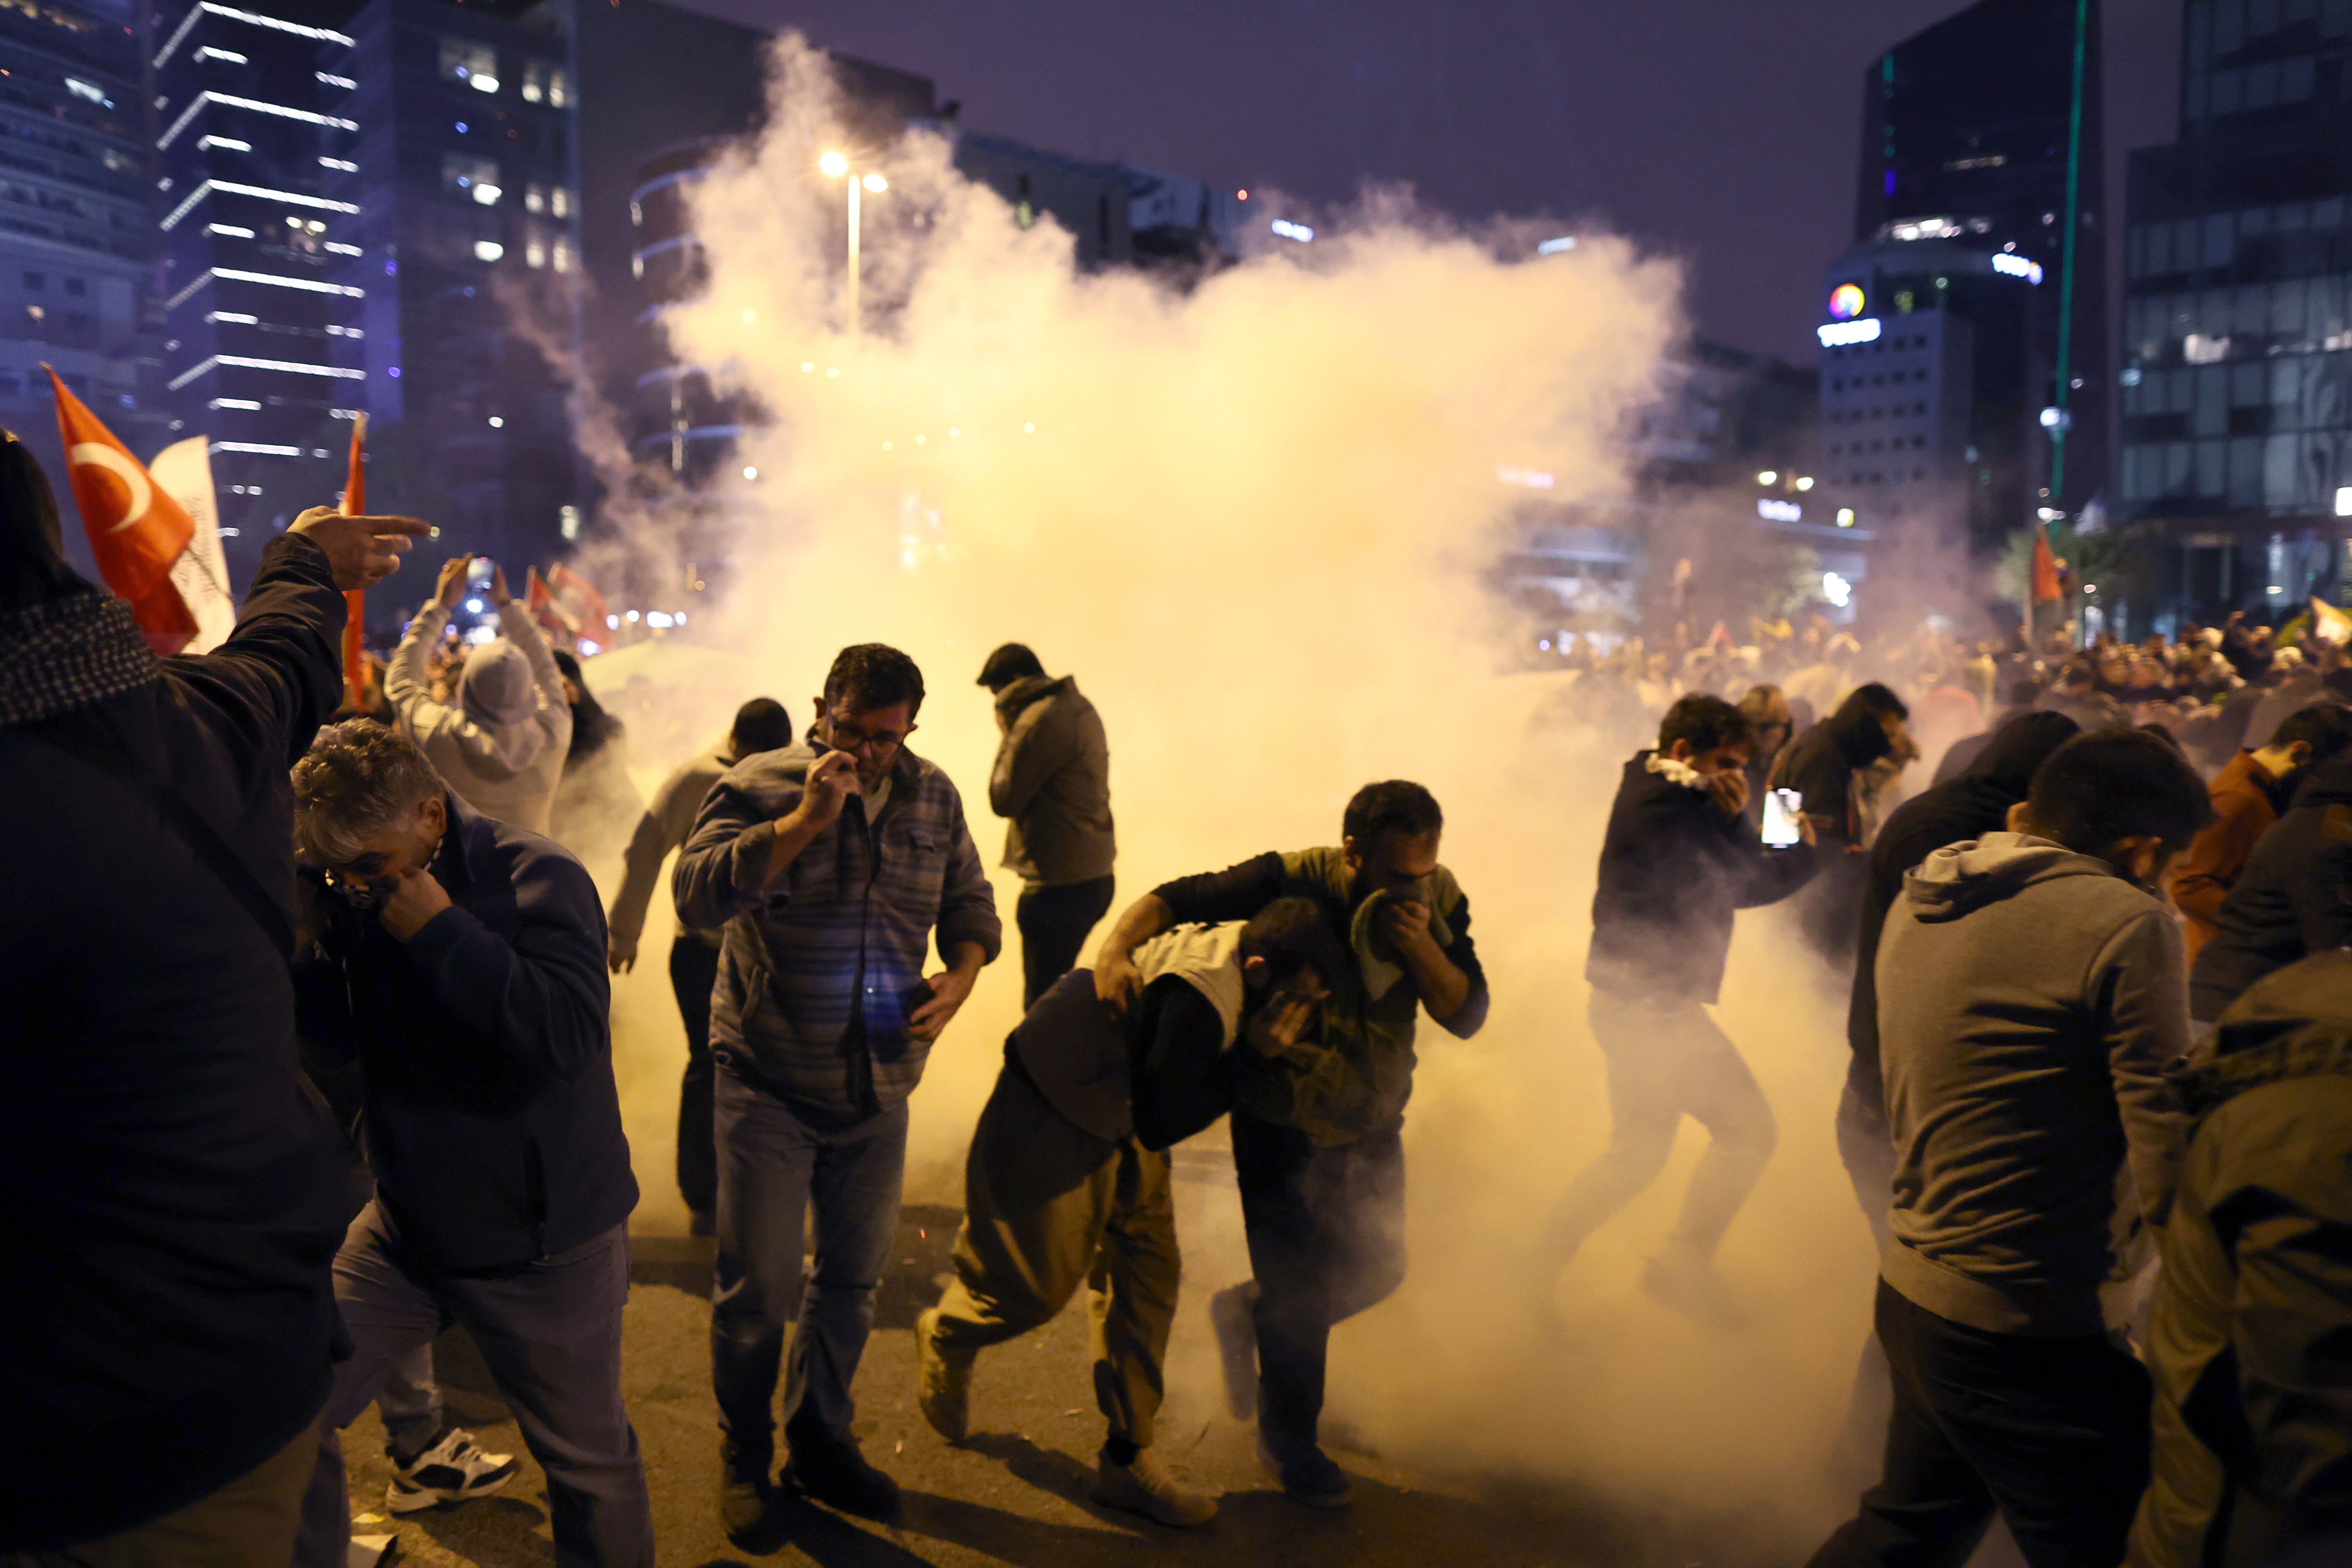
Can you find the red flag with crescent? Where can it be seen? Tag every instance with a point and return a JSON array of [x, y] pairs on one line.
[[355, 600], [136, 530]]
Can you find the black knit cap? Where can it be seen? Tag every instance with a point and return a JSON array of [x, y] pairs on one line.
[[33, 567]]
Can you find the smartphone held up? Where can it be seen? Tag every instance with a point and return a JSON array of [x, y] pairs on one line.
[[1782, 808]]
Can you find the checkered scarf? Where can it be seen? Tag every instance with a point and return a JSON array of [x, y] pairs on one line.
[[67, 653]]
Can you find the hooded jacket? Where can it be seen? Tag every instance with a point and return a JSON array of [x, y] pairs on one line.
[[1969, 806], [171, 1190], [501, 744], [2294, 898], [492, 1122], [1674, 868], [2030, 1001], [1163, 1072], [816, 976], [1052, 779], [1821, 764], [2254, 1411]]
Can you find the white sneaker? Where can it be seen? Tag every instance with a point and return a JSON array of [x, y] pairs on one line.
[[371, 1551], [452, 1471]]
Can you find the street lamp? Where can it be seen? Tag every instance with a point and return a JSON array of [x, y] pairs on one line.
[[833, 166]]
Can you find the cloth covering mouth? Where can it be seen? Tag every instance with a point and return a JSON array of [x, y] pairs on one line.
[[1376, 956]]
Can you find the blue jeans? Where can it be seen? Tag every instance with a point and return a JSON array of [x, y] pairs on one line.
[[551, 1334], [772, 1164]]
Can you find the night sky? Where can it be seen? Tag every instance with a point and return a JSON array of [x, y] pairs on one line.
[[1721, 130]]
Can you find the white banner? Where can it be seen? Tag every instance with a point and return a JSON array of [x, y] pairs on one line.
[[184, 471]]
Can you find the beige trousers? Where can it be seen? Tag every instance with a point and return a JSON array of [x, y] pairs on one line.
[[1048, 1208]]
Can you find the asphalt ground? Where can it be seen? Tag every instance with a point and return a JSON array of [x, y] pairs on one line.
[[1016, 1490]]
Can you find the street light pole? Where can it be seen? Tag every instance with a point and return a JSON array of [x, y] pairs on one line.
[[850, 289], [837, 166]]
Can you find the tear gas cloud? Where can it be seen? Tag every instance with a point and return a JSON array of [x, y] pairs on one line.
[[1253, 520]]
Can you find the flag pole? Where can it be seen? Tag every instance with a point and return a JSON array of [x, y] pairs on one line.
[[355, 600]]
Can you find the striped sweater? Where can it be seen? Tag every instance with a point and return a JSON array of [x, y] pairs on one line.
[[843, 936]]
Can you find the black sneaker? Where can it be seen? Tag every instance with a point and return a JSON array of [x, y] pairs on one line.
[[831, 1471], [453, 1470], [1306, 1474], [743, 1493]]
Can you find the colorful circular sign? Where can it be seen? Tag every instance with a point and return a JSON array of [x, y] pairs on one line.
[[1846, 302]]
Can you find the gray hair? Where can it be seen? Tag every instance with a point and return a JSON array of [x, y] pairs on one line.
[[357, 779]]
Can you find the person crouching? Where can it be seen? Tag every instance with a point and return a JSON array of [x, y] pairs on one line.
[[1068, 1178]]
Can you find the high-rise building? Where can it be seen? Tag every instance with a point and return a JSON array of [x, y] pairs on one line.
[[253, 122], [1978, 263], [75, 235], [2237, 353], [464, 176], [373, 209]]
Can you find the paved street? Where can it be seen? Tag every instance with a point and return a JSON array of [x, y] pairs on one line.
[[1016, 1493]]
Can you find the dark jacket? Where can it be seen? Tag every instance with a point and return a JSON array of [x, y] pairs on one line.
[[171, 1190], [2252, 1461], [1674, 869], [1052, 778], [2294, 896], [1971, 805], [490, 1117], [1821, 764], [1355, 1079]]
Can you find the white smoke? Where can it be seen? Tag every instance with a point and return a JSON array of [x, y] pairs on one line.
[[1253, 520]]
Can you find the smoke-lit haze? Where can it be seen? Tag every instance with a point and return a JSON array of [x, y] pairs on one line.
[[1251, 521]]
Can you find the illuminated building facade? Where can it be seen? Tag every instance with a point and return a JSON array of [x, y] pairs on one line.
[[252, 113], [2237, 354], [467, 261], [1963, 335], [75, 235]]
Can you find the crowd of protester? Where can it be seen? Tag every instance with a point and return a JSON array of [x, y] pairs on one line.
[[355, 1080], [2092, 905], [2216, 689]]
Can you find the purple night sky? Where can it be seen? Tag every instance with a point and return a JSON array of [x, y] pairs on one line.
[[1721, 130]]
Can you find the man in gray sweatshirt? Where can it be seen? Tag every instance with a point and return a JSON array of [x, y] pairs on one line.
[[2030, 996], [1052, 780]]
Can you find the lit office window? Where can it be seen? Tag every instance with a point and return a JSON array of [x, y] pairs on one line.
[[474, 63]]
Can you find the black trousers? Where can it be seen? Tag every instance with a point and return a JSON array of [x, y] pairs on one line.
[[2051, 1432], [1053, 924], [1325, 1233], [693, 972]]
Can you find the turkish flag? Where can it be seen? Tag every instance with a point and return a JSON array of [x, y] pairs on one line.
[[578, 596], [540, 600], [355, 600], [136, 530], [2045, 569]]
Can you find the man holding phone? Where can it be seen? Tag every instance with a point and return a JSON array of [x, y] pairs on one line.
[[1680, 858], [831, 864]]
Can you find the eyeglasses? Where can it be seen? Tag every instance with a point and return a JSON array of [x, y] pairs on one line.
[[844, 737]]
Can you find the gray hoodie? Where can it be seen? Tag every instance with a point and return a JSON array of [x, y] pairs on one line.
[[2029, 1001], [500, 745]]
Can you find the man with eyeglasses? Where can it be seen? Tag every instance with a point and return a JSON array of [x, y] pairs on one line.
[[833, 865]]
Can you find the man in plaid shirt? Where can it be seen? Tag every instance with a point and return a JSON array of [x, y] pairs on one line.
[[831, 864]]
